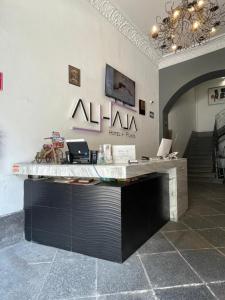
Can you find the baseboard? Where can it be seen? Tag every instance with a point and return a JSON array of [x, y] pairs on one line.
[[11, 229]]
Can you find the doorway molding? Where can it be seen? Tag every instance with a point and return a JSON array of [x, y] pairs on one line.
[[186, 87]]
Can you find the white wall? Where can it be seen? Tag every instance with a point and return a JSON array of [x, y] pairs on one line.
[[39, 39], [206, 113], [182, 121]]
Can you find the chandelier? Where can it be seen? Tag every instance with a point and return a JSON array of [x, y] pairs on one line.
[[187, 24]]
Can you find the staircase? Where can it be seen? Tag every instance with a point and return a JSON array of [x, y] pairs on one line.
[[200, 158]]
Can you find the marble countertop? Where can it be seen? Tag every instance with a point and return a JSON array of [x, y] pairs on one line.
[[113, 171]]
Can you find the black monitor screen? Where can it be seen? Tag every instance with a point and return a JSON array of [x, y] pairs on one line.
[[78, 149], [119, 86]]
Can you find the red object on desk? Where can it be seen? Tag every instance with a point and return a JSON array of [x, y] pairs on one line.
[[1, 81]]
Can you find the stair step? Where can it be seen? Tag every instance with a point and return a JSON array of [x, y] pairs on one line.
[[209, 180], [200, 144], [196, 159], [200, 170], [202, 149], [195, 170], [199, 174], [196, 165], [199, 166], [201, 154], [207, 155]]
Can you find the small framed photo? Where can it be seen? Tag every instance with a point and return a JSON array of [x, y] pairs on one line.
[[142, 107], [74, 76], [217, 95]]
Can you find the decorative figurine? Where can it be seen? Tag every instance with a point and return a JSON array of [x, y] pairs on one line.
[[51, 152]]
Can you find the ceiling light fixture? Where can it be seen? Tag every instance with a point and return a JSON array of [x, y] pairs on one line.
[[187, 24]]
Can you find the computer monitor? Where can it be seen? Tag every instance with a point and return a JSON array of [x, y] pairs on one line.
[[79, 151], [164, 148]]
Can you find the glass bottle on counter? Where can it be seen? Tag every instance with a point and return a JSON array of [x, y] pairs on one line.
[[101, 159]]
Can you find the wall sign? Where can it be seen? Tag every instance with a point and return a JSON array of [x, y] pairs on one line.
[[89, 116]]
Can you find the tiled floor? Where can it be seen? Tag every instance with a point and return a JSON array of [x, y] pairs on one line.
[[185, 261]]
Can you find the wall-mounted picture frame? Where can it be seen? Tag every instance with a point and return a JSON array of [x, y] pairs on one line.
[[74, 75], [142, 107], [216, 95]]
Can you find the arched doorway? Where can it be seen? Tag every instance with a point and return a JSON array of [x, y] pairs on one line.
[[184, 89]]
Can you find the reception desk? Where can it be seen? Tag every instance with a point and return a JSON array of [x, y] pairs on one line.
[[110, 219], [176, 169]]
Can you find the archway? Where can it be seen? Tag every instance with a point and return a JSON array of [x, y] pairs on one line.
[[184, 89]]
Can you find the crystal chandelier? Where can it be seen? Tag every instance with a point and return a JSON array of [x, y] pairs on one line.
[[187, 24]]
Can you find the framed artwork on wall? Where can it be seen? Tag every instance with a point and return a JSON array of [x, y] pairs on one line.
[[142, 107], [74, 76], [216, 95]]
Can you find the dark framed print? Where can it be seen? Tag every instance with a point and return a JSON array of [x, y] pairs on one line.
[[142, 107], [217, 95], [74, 76]]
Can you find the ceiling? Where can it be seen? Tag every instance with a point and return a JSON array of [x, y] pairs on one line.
[[143, 13]]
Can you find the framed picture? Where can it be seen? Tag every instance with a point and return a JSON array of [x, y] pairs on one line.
[[217, 95], [142, 107], [74, 76]]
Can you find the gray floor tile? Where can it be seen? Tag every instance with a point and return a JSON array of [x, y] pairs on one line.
[[168, 269], [222, 250], [129, 296], [25, 267], [214, 236], [33, 253], [115, 278], [71, 275], [82, 298], [219, 290], [156, 244], [68, 256], [209, 264], [220, 198], [219, 221], [11, 229], [215, 205], [173, 226], [185, 293], [211, 202], [202, 209], [197, 222], [8, 241], [18, 279], [187, 240]]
